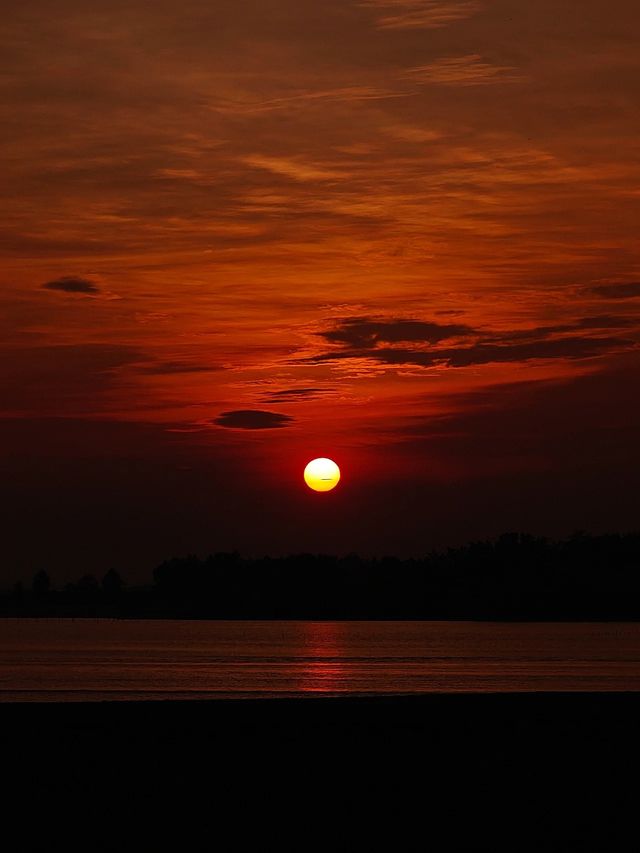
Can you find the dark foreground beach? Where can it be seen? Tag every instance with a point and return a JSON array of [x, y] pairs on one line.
[[474, 772]]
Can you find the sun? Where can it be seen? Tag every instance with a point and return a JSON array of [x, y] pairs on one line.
[[322, 475]]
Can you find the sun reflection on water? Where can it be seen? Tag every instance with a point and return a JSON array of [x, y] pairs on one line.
[[323, 668]]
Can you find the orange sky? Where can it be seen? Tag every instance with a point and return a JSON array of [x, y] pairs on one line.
[[402, 233]]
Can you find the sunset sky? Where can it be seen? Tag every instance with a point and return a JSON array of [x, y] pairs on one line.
[[237, 235]]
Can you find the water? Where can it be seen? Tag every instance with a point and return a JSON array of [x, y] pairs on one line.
[[73, 660]]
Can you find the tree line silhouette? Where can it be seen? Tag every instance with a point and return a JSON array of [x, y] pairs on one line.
[[515, 577]]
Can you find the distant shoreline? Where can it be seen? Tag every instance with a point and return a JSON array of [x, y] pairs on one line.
[[515, 578]]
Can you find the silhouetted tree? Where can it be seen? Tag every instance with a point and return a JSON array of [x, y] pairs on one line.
[[112, 584], [41, 584], [87, 585]]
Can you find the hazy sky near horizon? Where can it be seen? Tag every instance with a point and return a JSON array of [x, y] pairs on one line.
[[237, 235]]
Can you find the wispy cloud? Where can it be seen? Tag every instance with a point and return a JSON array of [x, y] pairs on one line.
[[421, 14], [468, 70], [169, 368], [416, 135], [292, 395], [308, 97], [291, 168]]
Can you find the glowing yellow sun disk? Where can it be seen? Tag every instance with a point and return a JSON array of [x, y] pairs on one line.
[[322, 475]]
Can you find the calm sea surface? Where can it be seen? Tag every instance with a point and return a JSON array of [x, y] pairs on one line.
[[71, 660]]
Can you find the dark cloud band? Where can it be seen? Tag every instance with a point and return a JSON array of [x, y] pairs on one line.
[[364, 338], [627, 290], [252, 419], [72, 284]]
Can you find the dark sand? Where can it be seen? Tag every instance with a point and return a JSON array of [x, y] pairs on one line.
[[470, 772]]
